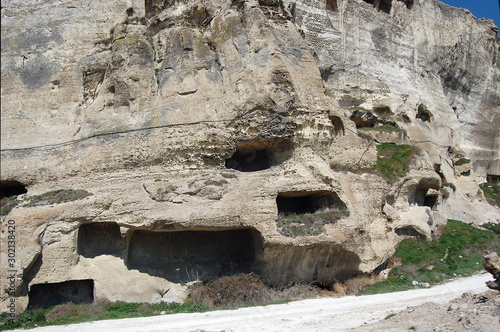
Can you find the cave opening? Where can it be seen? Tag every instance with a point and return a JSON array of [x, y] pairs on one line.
[[408, 3], [332, 5], [308, 202], [363, 118], [259, 155], [43, 296], [424, 114], [423, 196], [409, 232], [492, 178], [249, 160], [11, 188], [181, 256], [100, 238]]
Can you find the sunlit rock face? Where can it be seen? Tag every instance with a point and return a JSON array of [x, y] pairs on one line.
[[147, 144]]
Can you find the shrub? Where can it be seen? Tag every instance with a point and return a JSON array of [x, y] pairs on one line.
[[232, 291]]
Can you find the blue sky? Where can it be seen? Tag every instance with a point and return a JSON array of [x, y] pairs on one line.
[[479, 8]]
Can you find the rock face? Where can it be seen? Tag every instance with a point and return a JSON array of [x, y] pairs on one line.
[[191, 137]]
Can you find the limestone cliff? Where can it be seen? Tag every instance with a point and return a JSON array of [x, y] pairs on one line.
[[145, 144]]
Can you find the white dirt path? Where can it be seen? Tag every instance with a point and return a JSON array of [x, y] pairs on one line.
[[325, 314]]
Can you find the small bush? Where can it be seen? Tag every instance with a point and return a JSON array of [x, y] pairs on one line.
[[390, 316], [57, 197]]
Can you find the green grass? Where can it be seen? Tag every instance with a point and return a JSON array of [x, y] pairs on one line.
[[393, 160], [57, 197], [385, 127], [70, 313], [492, 192], [458, 252], [306, 224]]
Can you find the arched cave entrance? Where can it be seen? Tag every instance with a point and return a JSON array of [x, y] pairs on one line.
[[47, 295], [308, 202], [181, 256], [100, 238], [424, 195], [11, 188], [259, 155]]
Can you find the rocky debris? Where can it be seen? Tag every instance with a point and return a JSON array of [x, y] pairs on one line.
[[478, 312], [491, 263]]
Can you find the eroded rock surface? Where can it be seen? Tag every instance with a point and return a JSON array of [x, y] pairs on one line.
[[188, 121]]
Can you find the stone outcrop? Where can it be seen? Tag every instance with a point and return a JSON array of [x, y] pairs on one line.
[[186, 132], [491, 263]]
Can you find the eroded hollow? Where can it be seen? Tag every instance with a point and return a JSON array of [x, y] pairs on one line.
[[321, 261], [308, 202], [338, 126], [100, 238], [424, 114], [385, 6], [11, 188], [182, 256], [47, 295], [259, 155], [332, 5]]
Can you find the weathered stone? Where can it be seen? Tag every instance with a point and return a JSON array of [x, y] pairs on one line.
[[197, 118], [491, 263]]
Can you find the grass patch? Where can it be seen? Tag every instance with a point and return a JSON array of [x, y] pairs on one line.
[[393, 160], [458, 252], [390, 316], [7, 204], [491, 191], [294, 225], [25, 320], [57, 197], [70, 313]]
